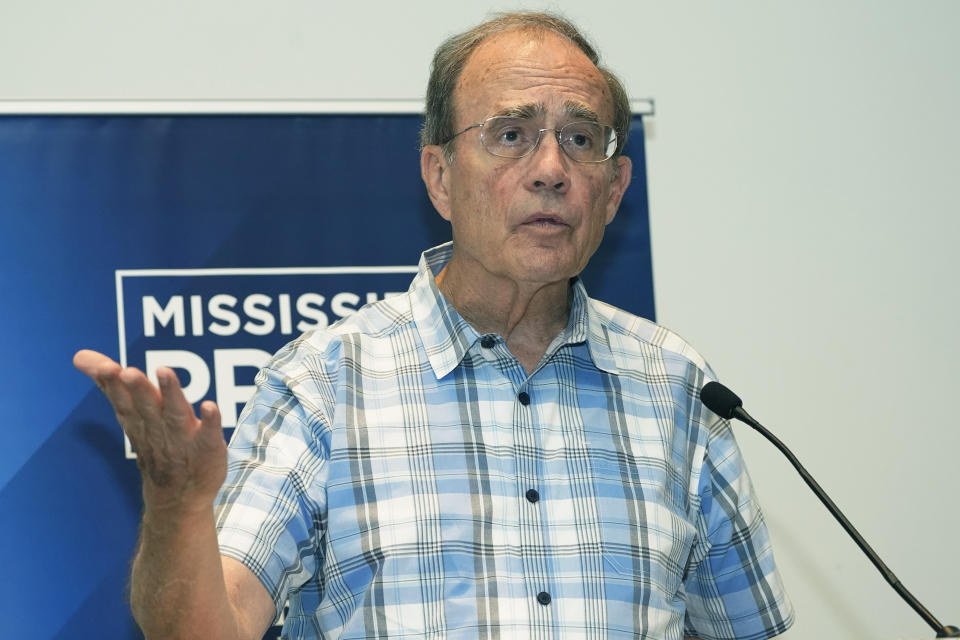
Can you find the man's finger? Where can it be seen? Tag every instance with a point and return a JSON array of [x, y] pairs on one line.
[[210, 418], [176, 409], [211, 433], [95, 365], [86, 358], [145, 396], [106, 374], [122, 402]]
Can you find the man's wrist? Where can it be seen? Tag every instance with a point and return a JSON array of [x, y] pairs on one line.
[[168, 517]]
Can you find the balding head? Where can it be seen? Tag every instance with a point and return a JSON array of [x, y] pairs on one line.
[[451, 58]]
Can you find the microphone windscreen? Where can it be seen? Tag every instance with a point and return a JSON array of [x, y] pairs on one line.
[[720, 399]]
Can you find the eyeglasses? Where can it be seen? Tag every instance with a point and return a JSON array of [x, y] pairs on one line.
[[510, 137]]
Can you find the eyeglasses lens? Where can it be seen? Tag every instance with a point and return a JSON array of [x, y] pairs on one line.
[[583, 141]]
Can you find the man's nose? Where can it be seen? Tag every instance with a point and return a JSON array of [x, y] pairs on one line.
[[549, 164]]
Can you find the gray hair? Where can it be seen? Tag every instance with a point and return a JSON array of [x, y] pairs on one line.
[[451, 57]]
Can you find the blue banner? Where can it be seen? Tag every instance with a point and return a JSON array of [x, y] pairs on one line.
[[202, 243]]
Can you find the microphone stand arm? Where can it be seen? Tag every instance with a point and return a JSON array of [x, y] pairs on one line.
[[888, 575]]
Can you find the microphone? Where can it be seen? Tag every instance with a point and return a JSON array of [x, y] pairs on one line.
[[726, 404], [721, 400]]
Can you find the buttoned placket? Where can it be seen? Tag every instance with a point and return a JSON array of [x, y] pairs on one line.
[[528, 464]]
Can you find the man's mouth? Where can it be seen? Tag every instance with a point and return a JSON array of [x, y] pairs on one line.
[[545, 220]]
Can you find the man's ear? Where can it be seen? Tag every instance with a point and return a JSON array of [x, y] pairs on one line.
[[618, 184], [435, 171]]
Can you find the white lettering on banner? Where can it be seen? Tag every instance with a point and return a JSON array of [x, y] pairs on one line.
[[225, 363], [285, 326], [255, 306], [153, 311], [219, 307], [217, 327], [196, 314], [229, 393], [306, 309], [260, 312]]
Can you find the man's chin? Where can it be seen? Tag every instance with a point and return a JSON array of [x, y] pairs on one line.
[[548, 269]]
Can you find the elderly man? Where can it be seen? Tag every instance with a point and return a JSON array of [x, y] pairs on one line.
[[493, 454]]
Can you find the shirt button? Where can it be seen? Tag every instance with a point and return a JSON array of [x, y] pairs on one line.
[[487, 342], [543, 598], [524, 398], [533, 495]]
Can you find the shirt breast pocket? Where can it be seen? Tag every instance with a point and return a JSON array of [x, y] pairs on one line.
[[645, 535]]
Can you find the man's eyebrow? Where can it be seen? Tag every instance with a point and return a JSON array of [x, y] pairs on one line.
[[580, 111], [530, 110], [572, 109]]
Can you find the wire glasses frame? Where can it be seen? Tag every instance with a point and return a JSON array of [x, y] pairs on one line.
[[511, 137]]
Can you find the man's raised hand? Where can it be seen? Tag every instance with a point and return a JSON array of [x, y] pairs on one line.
[[182, 458]]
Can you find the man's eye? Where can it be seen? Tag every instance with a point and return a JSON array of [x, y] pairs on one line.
[[580, 137], [510, 136]]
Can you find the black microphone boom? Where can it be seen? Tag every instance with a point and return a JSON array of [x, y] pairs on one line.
[[726, 404]]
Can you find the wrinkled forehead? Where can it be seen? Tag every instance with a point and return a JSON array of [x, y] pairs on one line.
[[532, 73]]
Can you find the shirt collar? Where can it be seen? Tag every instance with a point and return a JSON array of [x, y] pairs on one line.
[[447, 337]]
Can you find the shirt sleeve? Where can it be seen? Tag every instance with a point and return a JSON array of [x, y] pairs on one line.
[[733, 588], [270, 510]]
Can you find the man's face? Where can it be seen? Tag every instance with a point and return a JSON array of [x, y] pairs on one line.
[[539, 218]]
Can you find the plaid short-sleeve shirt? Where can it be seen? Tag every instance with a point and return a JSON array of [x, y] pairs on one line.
[[399, 475]]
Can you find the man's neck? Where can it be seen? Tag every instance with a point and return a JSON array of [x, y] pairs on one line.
[[528, 316]]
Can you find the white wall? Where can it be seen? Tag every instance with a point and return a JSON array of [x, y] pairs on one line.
[[804, 190]]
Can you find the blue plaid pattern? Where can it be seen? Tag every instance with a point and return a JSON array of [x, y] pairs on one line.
[[398, 475]]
